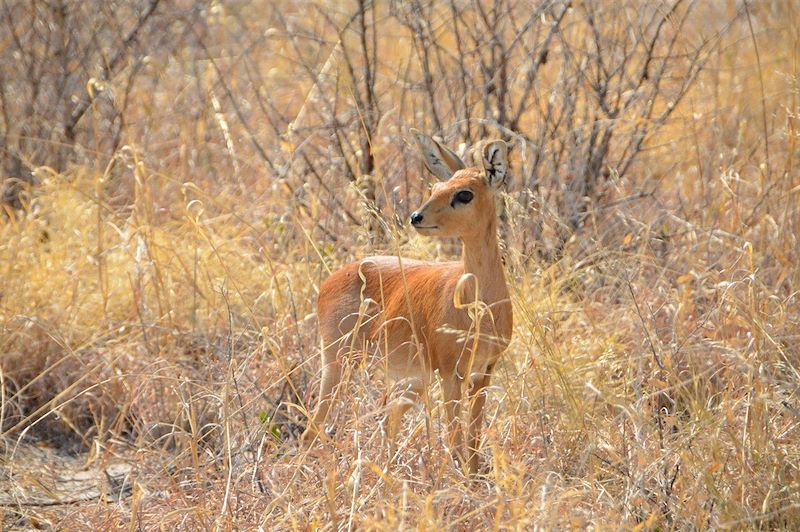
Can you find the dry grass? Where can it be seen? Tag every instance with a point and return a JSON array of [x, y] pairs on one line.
[[158, 312]]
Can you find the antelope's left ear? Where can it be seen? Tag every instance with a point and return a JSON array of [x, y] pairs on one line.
[[494, 161]]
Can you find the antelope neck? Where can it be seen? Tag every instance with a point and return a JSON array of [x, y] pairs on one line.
[[481, 257]]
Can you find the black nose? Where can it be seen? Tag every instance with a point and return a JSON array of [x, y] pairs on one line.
[[416, 218]]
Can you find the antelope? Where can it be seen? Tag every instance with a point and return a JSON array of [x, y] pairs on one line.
[[449, 321]]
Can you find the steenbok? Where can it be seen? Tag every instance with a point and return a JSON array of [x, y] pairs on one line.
[[423, 319]]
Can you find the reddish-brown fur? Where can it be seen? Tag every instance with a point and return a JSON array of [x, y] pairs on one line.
[[407, 312]]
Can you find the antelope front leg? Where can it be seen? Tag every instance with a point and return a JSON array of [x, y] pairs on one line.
[[451, 393], [477, 399]]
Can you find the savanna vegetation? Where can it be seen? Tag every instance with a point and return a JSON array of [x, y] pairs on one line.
[[178, 178]]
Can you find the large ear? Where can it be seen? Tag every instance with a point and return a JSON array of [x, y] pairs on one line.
[[440, 160], [492, 156]]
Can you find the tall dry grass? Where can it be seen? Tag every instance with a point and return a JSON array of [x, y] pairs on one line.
[[157, 303]]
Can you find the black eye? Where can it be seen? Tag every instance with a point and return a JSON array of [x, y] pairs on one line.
[[465, 196]]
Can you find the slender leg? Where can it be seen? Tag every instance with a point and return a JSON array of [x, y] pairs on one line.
[[451, 392], [331, 376], [477, 399], [397, 409]]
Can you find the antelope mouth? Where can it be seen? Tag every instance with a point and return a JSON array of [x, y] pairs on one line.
[[426, 227]]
